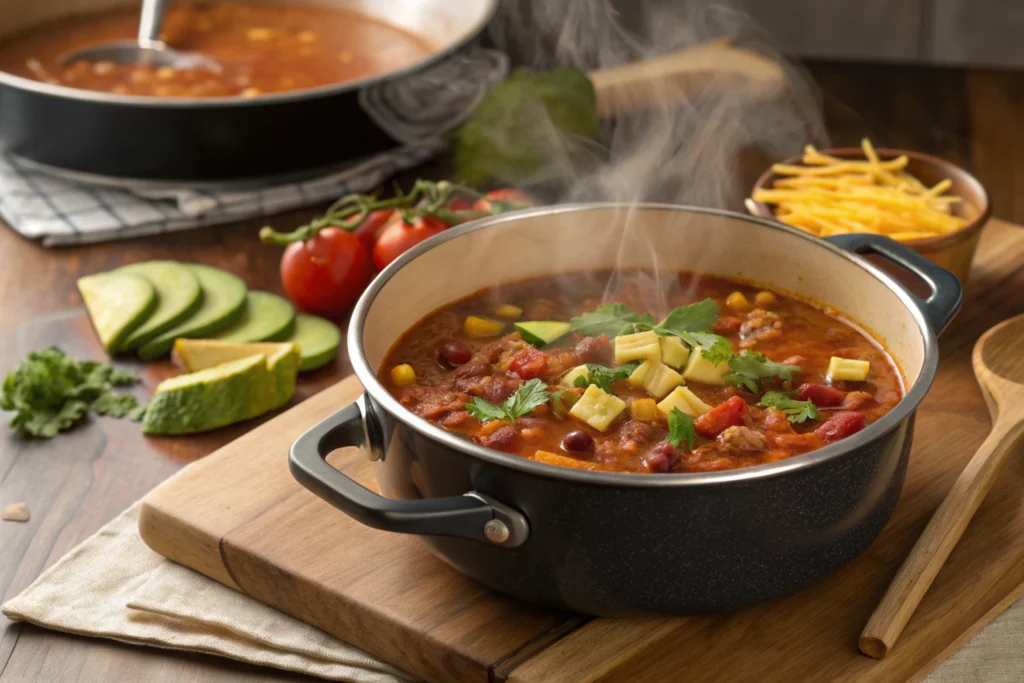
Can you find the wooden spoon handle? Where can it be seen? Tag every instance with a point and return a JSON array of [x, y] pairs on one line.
[[678, 75], [939, 538]]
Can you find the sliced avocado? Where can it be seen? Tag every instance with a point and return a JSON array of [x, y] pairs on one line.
[[541, 332], [223, 303], [318, 341], [267, 317], [211, 398], [117, 304], [282, 360], [178, 296]]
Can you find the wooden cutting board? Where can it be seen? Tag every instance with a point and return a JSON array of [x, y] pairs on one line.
[[239, 517]]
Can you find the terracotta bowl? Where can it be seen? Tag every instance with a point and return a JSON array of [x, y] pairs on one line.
[[954, 251]]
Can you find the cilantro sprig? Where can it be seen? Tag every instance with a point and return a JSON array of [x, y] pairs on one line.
[[680, 429], [603, 376], [527, 398], [750, 367], [612, 320], [51, 392], [795, 411]]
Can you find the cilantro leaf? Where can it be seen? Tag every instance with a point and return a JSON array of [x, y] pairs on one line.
[[795, 411], [698, 317], [715, 348], [526, 399], [750, 367], [603, 376], [115, 405], [680, 429], [611, 320]]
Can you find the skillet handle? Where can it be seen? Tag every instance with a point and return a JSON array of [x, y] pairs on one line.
[[473, 515], [947, 292]]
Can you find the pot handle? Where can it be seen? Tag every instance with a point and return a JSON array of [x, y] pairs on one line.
[[947, 292], [473, 515]]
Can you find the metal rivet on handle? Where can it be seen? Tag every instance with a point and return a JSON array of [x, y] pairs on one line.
[[496, 531]]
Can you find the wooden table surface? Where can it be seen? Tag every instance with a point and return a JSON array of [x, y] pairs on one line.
[[968, 116]]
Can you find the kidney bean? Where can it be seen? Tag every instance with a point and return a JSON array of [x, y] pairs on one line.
[[661, 457], [577, 442], [820, 395], [452, 353], [840, 426]]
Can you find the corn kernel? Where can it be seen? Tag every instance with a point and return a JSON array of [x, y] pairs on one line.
[[259, 34], [482, 327], [509, 312], [737, 303], [656, 377], [644, 410], [700, 369], [847, 369], [686, 401], [597, 408], [639, 346], [673, 352], [569, 380], [402, 375], [765, 299]]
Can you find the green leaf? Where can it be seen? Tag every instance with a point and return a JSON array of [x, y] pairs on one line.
[[485, 411], [115, 405], [603, 376], [527, 398], [698, 317], [680, 429], [611, 320], [795, 411], [750, 367]]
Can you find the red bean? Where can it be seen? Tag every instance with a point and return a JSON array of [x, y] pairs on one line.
[[577, 442], [661, 457], [451, 353], [820, 395], [840, 426]]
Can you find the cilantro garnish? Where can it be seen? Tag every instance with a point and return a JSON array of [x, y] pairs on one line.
[[526, 399], [680, 429], [51, 392], [603, 376], [611, 320], [796, 411], [750, 367]]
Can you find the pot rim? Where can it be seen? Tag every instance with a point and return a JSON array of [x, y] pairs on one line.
[[848, 446], [93, 96]]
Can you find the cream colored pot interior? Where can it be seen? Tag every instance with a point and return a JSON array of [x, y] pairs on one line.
[[442, 22], [663, 238]]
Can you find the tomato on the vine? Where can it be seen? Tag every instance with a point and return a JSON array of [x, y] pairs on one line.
[[399, 236], [374, 221], [326, 273], [518, 200]]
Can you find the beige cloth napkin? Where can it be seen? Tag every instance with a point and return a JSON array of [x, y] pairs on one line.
[[114, 586]]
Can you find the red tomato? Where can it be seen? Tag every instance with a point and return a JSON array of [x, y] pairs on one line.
[[326, 274], [529, 363], [399, 236], [840, 426], [374, 221], [727, 325], [821, 395], [519, 200], [721, 417], [459, 204]]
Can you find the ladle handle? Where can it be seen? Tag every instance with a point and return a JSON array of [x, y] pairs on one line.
[[150, 21], [939, 538]]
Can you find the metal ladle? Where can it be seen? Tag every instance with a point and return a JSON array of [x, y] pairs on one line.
[[147, 48]]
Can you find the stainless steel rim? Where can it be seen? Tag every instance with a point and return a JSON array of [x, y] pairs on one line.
[[68, 93], [847, 447]]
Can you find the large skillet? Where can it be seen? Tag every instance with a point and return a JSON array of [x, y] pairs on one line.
[[226, 138], [607, 543]]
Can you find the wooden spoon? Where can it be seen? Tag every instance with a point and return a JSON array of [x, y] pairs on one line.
[[998, 361]]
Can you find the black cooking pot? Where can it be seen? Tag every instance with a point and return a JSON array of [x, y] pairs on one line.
[[231, 139], [606, 543]]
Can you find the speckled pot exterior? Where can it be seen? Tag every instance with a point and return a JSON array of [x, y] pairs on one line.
[[612, 551]]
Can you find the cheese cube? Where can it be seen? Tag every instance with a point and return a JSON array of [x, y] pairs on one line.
[[674, 353], [700, 369], [847, 369], [597, 408], [639, 346], [644, 410], [569, 379], [686, 401], [655, 377]]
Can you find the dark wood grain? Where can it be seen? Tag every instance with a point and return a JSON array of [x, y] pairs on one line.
[[76, 485]]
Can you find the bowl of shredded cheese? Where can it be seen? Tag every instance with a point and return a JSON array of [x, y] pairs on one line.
[[933, 206]]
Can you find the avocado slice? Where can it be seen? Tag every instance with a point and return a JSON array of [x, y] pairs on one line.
[[178, 297], [541, 332], [282, 360], [267, 317], [211, 398], [318, 340], [117, 304], [223, 303]]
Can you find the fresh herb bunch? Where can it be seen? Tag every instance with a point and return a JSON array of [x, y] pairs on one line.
[[795, 411], [526, 399], [51, 392]]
